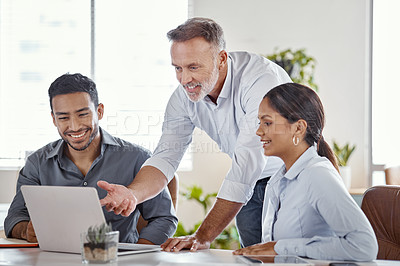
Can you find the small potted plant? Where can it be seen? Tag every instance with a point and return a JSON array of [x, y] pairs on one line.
[[342, 155], [99, 244]]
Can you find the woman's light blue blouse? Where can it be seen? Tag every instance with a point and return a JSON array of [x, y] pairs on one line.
[[309, 212]]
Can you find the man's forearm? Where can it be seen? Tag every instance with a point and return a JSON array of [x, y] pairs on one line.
[[148, 182], [217, 219], [19, 230]]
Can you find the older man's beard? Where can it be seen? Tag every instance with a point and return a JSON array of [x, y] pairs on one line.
[[205, 88]]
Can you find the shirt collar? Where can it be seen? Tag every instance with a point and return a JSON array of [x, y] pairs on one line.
[[225, 91], [301, 162], [106, 139], [57, 150]]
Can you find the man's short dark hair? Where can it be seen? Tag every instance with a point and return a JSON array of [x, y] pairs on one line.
[[70, 83], [199, 27]]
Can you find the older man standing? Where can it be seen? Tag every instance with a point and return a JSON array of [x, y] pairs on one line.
[[219, 93]]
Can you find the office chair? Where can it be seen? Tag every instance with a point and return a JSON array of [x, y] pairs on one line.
[[173, 188], [392, 175], [381, 205]]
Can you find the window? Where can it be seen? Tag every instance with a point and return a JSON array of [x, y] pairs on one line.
[[121, 44], [385, 88], [39, 41]]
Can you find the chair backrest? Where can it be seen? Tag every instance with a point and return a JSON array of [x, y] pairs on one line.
[[381, 205], [392, 175], [173, 188]]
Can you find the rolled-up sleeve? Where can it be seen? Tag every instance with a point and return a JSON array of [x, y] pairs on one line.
[[248, 160], [248, 163], [18, 211]]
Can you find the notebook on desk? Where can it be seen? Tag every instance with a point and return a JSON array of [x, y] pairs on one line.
[[60, 214], [15, 243]]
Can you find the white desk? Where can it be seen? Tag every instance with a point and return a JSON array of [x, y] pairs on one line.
[[34, 256]]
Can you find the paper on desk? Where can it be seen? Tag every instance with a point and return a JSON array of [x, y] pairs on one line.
[[13, 243]]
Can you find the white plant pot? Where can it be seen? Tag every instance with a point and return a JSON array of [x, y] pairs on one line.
[[345, 172]]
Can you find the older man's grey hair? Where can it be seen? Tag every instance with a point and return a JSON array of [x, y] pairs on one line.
[[199, 27]]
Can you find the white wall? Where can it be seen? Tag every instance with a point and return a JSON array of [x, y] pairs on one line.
[[335, 32], [209, 169], [8, 182]]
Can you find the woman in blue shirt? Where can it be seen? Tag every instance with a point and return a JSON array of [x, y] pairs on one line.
[[307, 209]]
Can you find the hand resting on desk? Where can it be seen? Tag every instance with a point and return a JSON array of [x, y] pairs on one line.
[[191, 242], [24, 230]]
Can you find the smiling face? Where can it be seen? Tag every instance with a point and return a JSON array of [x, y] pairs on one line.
[[77, 119], [275, 131], [197, 65]]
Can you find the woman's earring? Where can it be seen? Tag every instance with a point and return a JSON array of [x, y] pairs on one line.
[[295, 140]]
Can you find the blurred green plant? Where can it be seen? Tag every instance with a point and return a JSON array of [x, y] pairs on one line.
[[196, 193], [343, 153], [297, 64], [228, 239]]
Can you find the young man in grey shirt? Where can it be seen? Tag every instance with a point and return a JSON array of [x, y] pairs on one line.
[[85, 154]]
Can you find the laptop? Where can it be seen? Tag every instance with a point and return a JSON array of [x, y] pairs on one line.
[[60, 214]]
